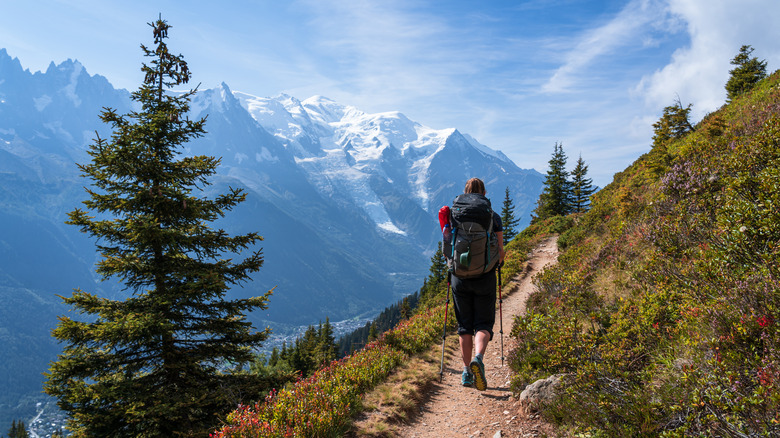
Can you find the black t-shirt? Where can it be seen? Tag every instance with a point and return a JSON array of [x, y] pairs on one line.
[[498, 226]]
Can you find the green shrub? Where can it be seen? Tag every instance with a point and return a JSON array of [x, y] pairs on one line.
[[547, 344], [559, 224]]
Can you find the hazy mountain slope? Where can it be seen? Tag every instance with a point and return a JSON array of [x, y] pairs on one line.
[[346, 201]]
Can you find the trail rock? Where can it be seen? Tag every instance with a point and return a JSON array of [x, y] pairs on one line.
[[541, 391]]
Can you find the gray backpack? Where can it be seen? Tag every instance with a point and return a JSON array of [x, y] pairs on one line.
[[472, 248]]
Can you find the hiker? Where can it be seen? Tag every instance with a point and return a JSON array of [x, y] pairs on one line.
[[474, 294]]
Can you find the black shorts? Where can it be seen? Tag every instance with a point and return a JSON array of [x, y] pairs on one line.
[[475, 303]]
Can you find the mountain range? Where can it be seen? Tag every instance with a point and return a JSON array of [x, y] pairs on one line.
[[346, 201]]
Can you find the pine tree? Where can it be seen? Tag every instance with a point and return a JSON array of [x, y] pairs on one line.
[[303, 357], [438, 268], [508, 219], [372, 332], [274, 359], [747, 73], [285, 353], [317, 347], [18, 430], [326, 350], [433, 284], [424, 290], [582, 187], [673, 124], [555, 199], [406, 308], [157, 363]]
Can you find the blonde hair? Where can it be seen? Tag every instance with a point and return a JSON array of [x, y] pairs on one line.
[[475, 185]]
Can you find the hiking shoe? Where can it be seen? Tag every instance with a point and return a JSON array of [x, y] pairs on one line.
[[478, 370], [467, 379]]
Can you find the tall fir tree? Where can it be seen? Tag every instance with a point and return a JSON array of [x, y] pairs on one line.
[[274, 359], [18, 430], [433, 285], [157, 363], [373, 333], [406, 309], [555, 199], [508, 219], [581, 187], [327, 349], [746, 73], [438, 268]]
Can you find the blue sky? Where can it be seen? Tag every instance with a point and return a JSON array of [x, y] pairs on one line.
[[519, 76]]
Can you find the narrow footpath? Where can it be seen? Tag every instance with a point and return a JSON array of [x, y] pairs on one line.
[[454, 411]]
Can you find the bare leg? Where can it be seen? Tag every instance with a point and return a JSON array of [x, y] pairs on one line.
[[466, 345], [483, 337]]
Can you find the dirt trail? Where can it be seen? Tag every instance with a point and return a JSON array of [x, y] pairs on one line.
[[454, 411]]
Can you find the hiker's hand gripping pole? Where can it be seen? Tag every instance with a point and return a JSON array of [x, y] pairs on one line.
[[500, 314], [444, 330]]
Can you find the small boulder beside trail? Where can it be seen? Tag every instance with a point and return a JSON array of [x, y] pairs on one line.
[[540, 392]]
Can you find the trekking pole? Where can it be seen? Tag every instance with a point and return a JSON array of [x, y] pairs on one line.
[[500, 315], [444, 331]]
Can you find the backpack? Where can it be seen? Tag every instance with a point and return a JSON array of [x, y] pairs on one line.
[[472, 248]]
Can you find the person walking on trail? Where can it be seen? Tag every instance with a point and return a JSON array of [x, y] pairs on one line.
[[473, 264]]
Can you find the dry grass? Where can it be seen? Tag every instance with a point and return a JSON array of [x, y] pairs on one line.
[[612, 284], [395, 401]]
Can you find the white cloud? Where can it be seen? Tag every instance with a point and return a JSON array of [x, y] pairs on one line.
[[717, 29]]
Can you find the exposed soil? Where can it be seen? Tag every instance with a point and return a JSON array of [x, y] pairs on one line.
[[451, 410]]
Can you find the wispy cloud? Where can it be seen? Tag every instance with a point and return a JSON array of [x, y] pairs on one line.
[[629, 27], [393, 52]]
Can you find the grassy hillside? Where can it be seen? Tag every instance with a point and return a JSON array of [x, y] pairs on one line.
[[663, 311]]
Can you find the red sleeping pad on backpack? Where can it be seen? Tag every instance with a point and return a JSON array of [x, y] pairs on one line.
[[444, 216]]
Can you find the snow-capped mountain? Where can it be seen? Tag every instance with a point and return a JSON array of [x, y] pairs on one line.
[[346, 201], [342, 149], [346, 152]]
